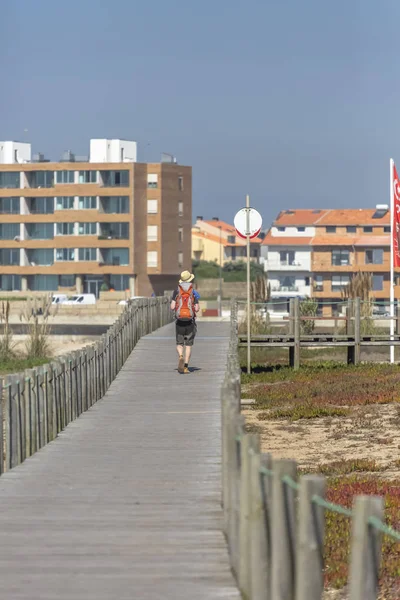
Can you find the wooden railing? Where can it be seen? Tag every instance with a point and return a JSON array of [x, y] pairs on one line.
[[39, 403], [274, 520], [345, 331]]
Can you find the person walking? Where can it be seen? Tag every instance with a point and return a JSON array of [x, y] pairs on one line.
[[185, 304]]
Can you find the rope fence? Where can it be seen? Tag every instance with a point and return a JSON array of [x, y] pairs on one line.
[[38, 404], [274, 520]]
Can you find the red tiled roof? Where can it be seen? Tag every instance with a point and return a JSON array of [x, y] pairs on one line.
[[215, 238], [349, 216], [224, 226], [299, 217], [345, 216]]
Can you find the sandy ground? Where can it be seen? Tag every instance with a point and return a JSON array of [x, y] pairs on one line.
[[371, 432], [61, 344]]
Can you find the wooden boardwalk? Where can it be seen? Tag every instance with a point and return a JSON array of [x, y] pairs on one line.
[[125, 503]]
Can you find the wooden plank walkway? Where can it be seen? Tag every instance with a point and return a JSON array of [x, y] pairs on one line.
[[125, 504]]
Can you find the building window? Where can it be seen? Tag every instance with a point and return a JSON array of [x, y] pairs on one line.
[[180, 234], [368, 229], [340, 257], [43, 257], [152, 207], [288, 284], [119, 283], [65, 254], [330, 229], [318, 283], [9, 231], [87, 254], [64, 203], [87, 202], [87, 177], [286, 257], [65, 229], [377, 283], [152, 258], [351, 229], [152, 233], [180, 209], [87, 228], [231, 239], [9, 206], [43, 283], [180, 183], [374, 256], [42, 206], [114, 231], [10, 283], [115, 256], [115, 205], [40, 231], [152, 180], [340, 281], [281, 228], [115, 178], [306, 281], [386, 229], [9, 180], [180, 259], [66, 281], [40, 179], [301, 229], [65, 176], [9, 257]]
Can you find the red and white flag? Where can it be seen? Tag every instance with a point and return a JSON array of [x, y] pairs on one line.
[[396, 218]]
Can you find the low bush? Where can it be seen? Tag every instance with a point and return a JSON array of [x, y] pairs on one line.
[[337, 532]]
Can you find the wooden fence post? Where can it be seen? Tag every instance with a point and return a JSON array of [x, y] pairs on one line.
[[283, 531], [2, 401], [310, 540], [250, 445], [260, 542], [350, 330], [357, 331], [365, 548], [294, 351], [238, 434]]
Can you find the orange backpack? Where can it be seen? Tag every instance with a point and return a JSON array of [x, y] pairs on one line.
[[184, 307]]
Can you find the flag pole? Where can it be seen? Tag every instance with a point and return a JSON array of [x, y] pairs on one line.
[[391, 260]]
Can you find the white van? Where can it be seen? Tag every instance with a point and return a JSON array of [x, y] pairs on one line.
[[59, 298], [81, 299]]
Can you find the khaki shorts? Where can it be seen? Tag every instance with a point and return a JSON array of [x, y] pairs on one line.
[[185, 333]]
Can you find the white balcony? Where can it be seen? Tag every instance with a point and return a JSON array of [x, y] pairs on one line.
[[294, 265]]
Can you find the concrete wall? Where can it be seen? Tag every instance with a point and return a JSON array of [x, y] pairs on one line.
[[209, 288]]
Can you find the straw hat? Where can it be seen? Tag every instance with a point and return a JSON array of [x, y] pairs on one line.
[[186, 277]]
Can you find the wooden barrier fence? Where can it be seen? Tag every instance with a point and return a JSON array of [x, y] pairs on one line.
[[39, 403], [274, 520]]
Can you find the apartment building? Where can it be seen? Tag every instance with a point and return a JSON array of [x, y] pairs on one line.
[[217, 241], [314, 253], [82, 224]]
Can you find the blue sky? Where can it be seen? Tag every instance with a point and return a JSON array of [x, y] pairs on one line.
[[295, 102]]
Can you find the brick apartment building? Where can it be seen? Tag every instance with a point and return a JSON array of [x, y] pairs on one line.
[[314, 253], [80, 223]]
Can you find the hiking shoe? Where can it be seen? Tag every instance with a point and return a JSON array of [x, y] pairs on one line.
[[181, 364], [186, 370]]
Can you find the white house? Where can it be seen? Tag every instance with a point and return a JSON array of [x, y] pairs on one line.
[[286, 253]]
